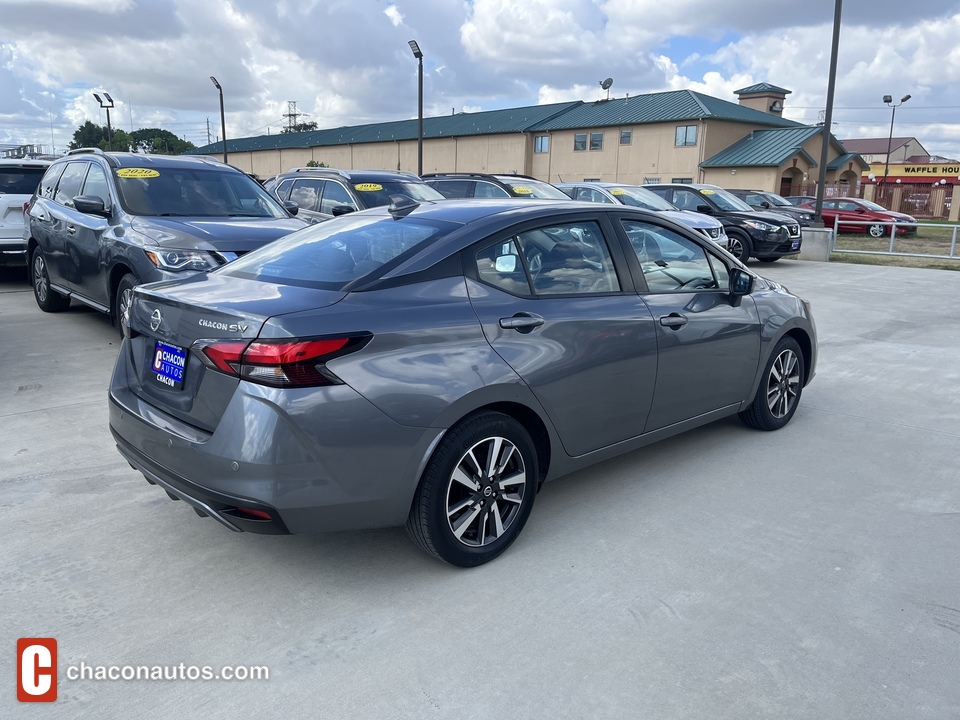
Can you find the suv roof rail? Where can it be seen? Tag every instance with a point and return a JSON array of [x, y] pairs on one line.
[[341, 173], [478, 175], [93, 151]]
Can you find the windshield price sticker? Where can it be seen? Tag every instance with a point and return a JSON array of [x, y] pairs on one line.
[[169, 363], [618, 191], [137, 173], [708, 192], [523, 191], [369, 187]]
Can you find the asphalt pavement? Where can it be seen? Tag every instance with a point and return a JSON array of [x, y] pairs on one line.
[[725, 573]]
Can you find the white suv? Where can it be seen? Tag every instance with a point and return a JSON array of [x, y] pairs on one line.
[[18, 180]]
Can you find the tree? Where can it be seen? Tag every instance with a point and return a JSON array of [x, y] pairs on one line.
[[149, 140], [160, 141], [314, 163], [300, 127]]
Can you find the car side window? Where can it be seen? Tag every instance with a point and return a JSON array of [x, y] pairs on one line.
[[96, 185], [334, 195], [686, 199], [453, 189], [500, 265], [720, 271], [69, 186], [282, 190], [591, 195], [829, 204], [848, 206], [306, 193], [569, 259], [48, 182], [669, 261], [489, 190]]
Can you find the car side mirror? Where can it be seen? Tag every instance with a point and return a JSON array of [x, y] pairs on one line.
[[506, 264], [291, 207], [741, 283], [704, 208], [90, 205], [860, 209], [339, 210], [765, 205]]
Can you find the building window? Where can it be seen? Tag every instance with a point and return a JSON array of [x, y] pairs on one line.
[[591, 179], [626, 137], [579, 141], [682, 180], [686, 135], [596, 141], [651, 181], [541, 144]]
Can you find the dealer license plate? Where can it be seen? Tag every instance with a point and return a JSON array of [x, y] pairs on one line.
[[796, 244], [168, 366]]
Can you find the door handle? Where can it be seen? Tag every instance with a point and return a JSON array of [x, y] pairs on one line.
[[71, 230], [673, 320], [523, 322]]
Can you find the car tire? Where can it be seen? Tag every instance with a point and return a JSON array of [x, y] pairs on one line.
[[780, 388], [768, 259], [740, 246], [876, 231], [48, 299], [121, 298], [476, 492]]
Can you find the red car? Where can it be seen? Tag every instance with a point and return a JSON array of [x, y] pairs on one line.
[[863, 211]]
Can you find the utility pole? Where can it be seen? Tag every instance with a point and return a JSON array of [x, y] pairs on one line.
[[208, 131], [291, 114], [828, 113]]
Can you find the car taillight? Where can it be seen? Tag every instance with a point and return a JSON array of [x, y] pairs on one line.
[[279, 363]]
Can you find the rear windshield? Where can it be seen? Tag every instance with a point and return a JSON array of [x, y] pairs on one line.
[[375, 194], [194, 192], [331, 254], [20, 180]]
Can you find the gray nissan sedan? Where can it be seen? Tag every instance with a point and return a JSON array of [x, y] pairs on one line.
[[434, 364]]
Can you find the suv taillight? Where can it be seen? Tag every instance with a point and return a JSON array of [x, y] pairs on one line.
[[279, 363]]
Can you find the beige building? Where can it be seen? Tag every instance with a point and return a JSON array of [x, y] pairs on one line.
[[677, 136]]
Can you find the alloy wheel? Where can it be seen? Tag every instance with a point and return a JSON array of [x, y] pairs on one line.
[[485, 491], [783, 384], [876, 231], [41, 282]]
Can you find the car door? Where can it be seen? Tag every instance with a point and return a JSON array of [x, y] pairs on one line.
[[831, 213], [85, 243], [708, 343], [554, 307], [306, 192], [63, 260]]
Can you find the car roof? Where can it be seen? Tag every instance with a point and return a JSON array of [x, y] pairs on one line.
[[128, 159], [502, 177], [24, 162], [351, 175]]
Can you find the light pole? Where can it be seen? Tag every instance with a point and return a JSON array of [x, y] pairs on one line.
[[106, 102], [419, 56], [223, 118], [889, 101], [828, 115]]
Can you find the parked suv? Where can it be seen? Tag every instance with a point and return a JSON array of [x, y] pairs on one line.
[[101, 223], [323, 193], [764, 235], [763, 200], [641, 197], [18, 180], [482, 185]]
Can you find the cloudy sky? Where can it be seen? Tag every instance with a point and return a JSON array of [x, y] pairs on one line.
[[347, 62]]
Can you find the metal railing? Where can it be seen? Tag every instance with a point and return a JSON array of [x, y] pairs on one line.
[[896, 234]]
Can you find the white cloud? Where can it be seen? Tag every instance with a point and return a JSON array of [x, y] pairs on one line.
[[395, 16]]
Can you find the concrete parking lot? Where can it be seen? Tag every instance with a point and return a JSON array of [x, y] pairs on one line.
[[726, 573]]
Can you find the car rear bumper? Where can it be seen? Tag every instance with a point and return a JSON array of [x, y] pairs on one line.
[[297, 459], [13, 251]]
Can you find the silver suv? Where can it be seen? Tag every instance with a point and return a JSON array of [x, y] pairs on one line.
[[18, 180]]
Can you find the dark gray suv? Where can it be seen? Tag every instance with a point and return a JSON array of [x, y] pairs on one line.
[[433, 365], [101, 223]]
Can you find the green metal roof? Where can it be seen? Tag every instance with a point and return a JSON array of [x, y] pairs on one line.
[[761, 88], [842, 160], [490, 122], [764, 148], [672, 106]]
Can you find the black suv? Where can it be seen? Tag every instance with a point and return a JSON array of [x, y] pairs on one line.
[[481, 185], [763, 200], [764, 235], [323, 193], [101, 223]]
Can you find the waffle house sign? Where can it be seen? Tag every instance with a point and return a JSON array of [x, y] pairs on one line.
[[919, 173]]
